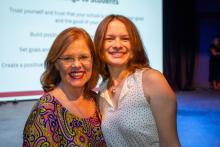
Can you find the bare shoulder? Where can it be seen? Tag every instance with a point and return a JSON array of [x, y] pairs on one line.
[[162, 100], [152, 76], [156, 86]]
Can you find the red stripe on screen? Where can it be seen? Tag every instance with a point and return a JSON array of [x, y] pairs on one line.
[[20, 93]]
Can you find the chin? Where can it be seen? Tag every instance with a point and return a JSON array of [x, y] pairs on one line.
[[118, 63], [77, 84]]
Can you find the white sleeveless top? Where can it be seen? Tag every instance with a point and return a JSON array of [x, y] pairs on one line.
[[131, 124]]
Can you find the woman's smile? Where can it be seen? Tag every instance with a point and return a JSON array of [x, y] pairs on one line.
[[76, 74]]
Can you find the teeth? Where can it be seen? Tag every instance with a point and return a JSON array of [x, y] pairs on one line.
[[117, 54], [76, 74]]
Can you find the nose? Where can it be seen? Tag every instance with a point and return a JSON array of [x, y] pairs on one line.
[[117, 43], [76, 63]]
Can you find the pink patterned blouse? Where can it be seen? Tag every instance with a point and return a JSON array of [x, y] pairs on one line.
[[50, 124]]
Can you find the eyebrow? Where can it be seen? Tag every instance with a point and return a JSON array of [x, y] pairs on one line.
[[71, 55], [110, 35]]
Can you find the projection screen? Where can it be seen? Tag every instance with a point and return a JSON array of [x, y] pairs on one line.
[[29, 27]]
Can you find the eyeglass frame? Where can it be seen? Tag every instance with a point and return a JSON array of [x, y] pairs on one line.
[[85, 59]]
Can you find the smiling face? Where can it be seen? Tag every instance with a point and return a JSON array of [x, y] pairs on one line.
[[117, 46], [75, 64]]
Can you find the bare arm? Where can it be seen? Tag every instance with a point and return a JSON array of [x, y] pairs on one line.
[[163, 104]]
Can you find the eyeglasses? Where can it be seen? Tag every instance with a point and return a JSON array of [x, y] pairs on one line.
[[85, 59]]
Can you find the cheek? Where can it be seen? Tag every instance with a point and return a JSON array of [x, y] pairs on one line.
[[106, 45], [104, 51], [61, 70], [105, 57]]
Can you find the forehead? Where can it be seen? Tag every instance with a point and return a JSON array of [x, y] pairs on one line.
[[77, 46], [116, 26]]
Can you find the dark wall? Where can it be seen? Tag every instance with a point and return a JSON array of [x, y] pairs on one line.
[[180, 42], [208, 17], [189, 26]]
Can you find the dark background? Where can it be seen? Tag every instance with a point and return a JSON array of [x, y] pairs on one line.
[[188, 28]]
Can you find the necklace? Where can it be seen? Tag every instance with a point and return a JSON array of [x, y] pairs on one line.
[[113, 89], [115, 85]]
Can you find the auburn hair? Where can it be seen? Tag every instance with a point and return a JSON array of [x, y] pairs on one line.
[[51, 76]]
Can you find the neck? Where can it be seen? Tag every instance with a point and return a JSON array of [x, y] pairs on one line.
[[70, 93], [117, 76], [117, 72]]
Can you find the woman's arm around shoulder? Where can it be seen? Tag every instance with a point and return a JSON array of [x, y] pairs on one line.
[[163, 105]]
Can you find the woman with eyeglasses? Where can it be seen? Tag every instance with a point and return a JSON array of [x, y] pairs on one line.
[[66, 113]]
